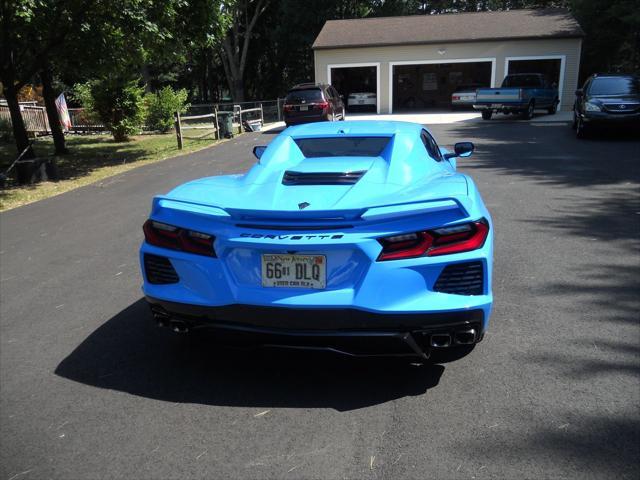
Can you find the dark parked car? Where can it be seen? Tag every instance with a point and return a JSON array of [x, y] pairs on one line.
[[606, 99], [310, 102]]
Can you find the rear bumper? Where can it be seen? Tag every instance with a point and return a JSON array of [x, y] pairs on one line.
[[297, 120], [501, 106], [348, 331]]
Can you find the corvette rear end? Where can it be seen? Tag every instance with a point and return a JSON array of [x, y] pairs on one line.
[[348, 237]]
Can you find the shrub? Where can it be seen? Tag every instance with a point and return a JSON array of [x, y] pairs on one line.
[[161, 107], [118, 103]]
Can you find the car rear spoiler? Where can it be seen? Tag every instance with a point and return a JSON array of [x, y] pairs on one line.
[[379, 213]]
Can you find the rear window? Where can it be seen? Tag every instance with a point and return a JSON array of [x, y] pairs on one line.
[[342, 146], [615, 86], [520, 81], [304, 96]]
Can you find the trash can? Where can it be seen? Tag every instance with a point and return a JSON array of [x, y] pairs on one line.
[[225, 122]]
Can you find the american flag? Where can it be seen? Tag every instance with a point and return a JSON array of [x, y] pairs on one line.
[[63, 112]]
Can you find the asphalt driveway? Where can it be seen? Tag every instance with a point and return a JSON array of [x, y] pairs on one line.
[[89, 388]]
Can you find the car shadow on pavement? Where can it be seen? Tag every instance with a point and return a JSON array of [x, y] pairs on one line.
[[130, 354]]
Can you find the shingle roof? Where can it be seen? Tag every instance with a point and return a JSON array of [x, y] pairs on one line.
[[450, 27]]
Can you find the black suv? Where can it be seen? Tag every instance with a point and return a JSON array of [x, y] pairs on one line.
[[310, 102], [612, 99]]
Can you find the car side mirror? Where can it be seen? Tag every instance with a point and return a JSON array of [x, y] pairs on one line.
[[461, 149], [579, 92], [258, 150]]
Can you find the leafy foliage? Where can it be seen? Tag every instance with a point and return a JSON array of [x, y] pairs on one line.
[[119, 103], [161, 107]]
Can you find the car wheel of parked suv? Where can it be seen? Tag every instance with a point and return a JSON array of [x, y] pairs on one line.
[[486, 115], [553, 108]]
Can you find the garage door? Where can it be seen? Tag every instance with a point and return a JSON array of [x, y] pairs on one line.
[[429, 86]]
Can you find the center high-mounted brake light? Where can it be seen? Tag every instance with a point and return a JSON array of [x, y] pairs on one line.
[[175, 238], [439, 241]]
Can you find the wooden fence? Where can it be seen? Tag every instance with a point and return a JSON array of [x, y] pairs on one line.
[[34, 118], [240, 117]]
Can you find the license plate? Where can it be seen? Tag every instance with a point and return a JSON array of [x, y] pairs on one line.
[[294, 271], [361, 102], [304, 108]]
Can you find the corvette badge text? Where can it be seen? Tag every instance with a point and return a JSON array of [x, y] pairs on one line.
[[292, 237]]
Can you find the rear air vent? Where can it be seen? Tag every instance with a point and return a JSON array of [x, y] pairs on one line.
[[321, 178], [159, 270], [461, 279]]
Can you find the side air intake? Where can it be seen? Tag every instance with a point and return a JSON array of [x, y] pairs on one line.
[[321, 178]]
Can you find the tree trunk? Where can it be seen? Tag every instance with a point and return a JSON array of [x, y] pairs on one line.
[[52, 112], [238, 90], [19, 130]]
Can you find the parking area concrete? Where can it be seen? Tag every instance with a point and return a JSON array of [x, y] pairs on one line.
[[90, 388]]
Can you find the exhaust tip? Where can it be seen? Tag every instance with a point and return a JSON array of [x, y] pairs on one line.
[[179, 326], [465, 337], [440, 340]]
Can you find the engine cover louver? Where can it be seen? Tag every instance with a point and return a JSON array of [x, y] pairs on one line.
[[461, 279], [321, 178], [159, 270]]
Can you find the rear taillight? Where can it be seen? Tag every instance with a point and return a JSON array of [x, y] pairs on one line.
[[439, 241], [175, 238], [455, 97], [321, 105], [287, 108]]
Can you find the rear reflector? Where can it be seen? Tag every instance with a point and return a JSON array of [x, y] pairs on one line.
[[439, 241], [175, 238]]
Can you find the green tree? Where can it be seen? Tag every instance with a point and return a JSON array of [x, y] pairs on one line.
[[161, 107]]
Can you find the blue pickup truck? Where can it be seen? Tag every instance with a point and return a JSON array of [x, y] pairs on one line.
[[521, 94]]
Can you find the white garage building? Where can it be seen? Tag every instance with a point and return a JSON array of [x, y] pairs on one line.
[[416, 62]]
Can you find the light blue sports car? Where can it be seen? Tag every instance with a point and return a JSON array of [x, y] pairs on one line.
[[357, 237]]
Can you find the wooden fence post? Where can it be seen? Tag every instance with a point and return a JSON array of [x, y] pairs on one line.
[[215, 121], [261, 115], [178, 130]]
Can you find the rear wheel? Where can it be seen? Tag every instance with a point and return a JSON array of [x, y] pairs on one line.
[[486, 114], [528, 113], [553, 108]]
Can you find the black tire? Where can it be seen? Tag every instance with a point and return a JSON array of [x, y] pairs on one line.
[[553, 108], [528, 113], [486, 114]]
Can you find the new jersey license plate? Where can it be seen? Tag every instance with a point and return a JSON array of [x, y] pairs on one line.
[[294, 271]]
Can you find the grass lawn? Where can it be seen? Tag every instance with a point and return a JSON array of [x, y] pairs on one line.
[[92, 158]]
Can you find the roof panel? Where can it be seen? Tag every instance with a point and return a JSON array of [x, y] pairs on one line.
[[451, 27]]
